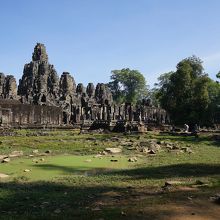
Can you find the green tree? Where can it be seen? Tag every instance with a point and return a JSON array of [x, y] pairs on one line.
[[184, 93], [127, 85], [213, 112], [153, 96], [218, 75]]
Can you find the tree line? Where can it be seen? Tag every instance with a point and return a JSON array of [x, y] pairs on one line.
[[188, 94]]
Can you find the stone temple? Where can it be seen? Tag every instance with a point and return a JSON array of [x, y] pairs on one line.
[[42, 98]]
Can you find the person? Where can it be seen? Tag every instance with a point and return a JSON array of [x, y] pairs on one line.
[[186, 128]]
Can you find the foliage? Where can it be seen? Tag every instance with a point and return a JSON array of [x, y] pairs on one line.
[[127, 85], [153, 97], [218, 75], [188, 94]]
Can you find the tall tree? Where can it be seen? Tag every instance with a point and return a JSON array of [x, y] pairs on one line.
[[184, 93], [127, 85]]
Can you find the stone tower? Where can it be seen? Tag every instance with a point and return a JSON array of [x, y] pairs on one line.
[[40, 53], [8, 87], [67, 85], [40, 82]]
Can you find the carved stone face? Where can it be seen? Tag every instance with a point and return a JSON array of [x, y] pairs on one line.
[[40, 53], [90, 90], [80, 88], [67, 84]]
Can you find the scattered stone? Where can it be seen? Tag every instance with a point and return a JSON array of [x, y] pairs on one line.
[[35, 151], [190, 151], [16, 154], [175, 147], [88, 160], [185, 149], [48, 151], [151, 152], [169, 147], [132, 159], [172, 183], [6, 160], [131, 148], [2, 176], [3, 156], [157, 146], [114, 150], [104, 153], [126, 143], [42, 159], [98, 155], [114, 160], [145, 150], [26, 170]]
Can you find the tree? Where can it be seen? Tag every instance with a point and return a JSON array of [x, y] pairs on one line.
[[153, 96], [184, 93], [218, 75], [127, 85], [213, 112]]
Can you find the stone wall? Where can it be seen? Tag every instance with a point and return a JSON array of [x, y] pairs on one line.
[[16, 114]]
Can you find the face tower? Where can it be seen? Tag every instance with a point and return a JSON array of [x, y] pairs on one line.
[[39, 83]]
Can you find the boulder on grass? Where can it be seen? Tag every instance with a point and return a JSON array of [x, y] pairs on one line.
[[113, 150]]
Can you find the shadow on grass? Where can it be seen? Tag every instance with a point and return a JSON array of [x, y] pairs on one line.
[[79, 170], [47, 200], [172, 171], [160, 172]]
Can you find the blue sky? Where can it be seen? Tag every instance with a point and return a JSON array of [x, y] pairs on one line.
[[89, 38]]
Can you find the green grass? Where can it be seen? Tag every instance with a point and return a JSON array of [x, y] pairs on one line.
[[65, 186]]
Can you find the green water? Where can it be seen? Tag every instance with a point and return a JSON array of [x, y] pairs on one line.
[[52, 167]]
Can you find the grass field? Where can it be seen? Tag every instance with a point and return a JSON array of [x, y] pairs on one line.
[[74, 182]]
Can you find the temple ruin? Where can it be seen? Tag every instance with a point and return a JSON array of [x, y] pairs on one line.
[[42, 98]]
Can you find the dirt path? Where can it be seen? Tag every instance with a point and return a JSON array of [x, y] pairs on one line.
[[181, 203]]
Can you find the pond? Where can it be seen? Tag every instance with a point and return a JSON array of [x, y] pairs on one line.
[[52, 167]]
